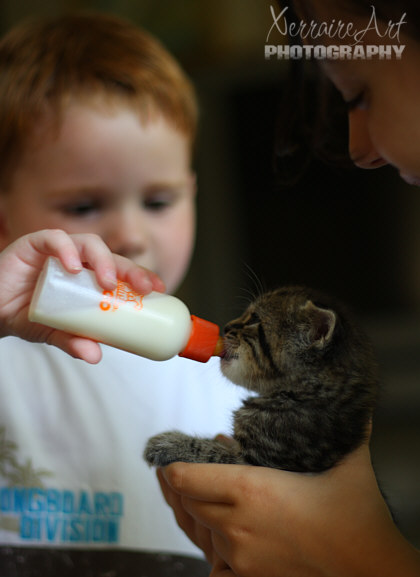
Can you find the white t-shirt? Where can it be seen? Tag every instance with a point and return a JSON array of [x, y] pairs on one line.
[[71, 443]]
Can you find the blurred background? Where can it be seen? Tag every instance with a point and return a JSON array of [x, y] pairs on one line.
[[353, 233]]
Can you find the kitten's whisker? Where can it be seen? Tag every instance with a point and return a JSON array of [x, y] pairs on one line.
[[247, 297], [256, 282]]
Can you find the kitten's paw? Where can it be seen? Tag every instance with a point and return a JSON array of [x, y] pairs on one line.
[[166, 448]]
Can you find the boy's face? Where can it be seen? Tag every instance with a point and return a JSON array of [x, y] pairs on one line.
[[107, 173]]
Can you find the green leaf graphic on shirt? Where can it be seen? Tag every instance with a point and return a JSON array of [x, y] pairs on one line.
[[17, 475], [7, 450], [26, 476]]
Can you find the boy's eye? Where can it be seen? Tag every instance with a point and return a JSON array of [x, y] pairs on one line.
[[159, 202], [82, 207]]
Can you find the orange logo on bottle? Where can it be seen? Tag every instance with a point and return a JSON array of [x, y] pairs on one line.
[[122, 294]]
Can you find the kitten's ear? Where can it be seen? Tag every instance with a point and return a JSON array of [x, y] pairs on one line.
[[321, 324]]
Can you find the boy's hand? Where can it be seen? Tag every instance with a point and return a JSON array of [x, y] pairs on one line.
[[21, 263]]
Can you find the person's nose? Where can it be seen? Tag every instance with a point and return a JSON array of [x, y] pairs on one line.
[[361, 149], [128, 232]]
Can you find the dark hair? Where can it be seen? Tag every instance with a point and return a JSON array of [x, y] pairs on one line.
[[312, 121]]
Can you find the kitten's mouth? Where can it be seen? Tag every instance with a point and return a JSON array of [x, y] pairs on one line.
[[228, 354]]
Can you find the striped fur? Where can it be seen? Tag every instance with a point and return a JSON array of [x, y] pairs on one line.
[[314, 376]]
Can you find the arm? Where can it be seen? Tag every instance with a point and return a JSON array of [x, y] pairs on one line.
[[20, 265], [254, 521]]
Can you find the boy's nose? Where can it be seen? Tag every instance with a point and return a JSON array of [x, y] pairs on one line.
[[127, 233], [361, 149]]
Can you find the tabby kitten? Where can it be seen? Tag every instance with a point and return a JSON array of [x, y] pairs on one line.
[[315, 378]]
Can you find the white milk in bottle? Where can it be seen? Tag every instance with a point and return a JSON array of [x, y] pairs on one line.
[[157, 326]]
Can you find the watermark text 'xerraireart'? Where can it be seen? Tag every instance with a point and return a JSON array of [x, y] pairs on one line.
[[340, 39]]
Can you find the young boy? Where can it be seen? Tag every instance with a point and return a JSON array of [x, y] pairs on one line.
[[97, 124]]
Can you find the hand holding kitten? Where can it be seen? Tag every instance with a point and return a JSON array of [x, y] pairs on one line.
[[249, 521]]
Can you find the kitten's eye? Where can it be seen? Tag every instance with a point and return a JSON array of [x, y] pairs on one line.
[[254, 319]]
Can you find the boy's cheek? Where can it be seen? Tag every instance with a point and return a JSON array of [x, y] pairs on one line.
[[8, 232], [174, 266]]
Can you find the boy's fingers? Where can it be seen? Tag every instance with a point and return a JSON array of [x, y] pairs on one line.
[[84, 349], [72, 250], [108, 267], [136, 277], [50, 242], [77, 347], [89, 249], [140, 279], [95, 253]]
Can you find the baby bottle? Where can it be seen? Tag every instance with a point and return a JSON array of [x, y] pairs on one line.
[[156, 326]]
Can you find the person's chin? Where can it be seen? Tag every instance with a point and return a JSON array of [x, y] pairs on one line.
[[410, 179]]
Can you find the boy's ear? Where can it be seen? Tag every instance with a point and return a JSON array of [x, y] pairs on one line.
[[321, 324]]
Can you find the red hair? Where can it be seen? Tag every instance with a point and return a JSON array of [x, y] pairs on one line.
[[44, 62]]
